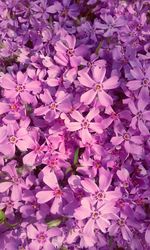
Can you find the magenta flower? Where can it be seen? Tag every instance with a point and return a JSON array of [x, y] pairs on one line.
[[13, 181], [98, 216], [31, 207], [10, 206], [20, 85], [14, 137], [141, 116], [132, 143], [76, 231], [52, 108], [101, 194], [140, 81], [110, 26], [84, 125], [12, 109], [40, 236], [66, 52], [97, 86], [64, 9], [53, 193], [121, 223]]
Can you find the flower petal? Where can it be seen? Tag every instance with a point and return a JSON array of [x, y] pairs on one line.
[[88, 97], [50, 180], [105, 99], [86, 80], [44, 196], [89, 186], [96, 126], [134, 85], [82, 213], [116, 140], [32, 232], [86, 136], [4, 186], [111, 83], [73, 126], [99, 73], [76, 115], [92, 114]]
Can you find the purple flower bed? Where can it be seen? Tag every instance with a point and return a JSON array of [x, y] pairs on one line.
[[74, 125]]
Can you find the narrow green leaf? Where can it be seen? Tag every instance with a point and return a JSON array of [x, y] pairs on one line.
[[98, 47], [76, 156], [69, 169], [2, 217], [54, 223], [63, 248]]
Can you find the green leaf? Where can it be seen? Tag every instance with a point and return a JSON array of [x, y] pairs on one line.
[[54, 223], [63, 248], [76, 157], [98, 47], [69, 169], [2, 217]]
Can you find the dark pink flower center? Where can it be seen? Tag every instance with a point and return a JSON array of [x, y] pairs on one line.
[[125, 184], [126, 137], [121, 222], [16, 180], [85, 124], [53, 106], [146, 82], [100, 196], [41, 237], [99, 87], [114, 116], [20, 88], [139, 115], [95, 215], [70, 52], [57, 192], [53, 163], [13, 139], [10, 204], [14, 107]]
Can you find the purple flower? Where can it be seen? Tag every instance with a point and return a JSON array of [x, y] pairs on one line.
[[66, 52], [140, 115], [110, 26], [83, 125], [53, 193], [13, 181], [20, 85], [97, 86], [31, 207], [53, 107], [140, 81], [99, 194], [132, 143], [14, 137], [40, 236], [121, 223], [98, 216]]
